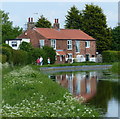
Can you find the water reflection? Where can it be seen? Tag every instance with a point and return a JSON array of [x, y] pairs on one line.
[[99, 88], [79, 84]]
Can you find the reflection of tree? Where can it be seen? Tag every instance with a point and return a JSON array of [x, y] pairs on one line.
[[103, 95], [116, 88]]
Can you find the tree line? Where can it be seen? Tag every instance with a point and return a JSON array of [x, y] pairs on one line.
[[91, 20]]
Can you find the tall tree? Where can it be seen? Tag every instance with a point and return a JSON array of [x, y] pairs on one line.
[[92, 21], [43, 22], [94, 24], [116, 38], [8, 31], [73, 19]]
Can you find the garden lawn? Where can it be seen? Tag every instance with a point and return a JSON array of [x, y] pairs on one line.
[[29, 93]]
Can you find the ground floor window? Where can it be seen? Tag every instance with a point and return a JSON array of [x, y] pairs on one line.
[[14, 43]]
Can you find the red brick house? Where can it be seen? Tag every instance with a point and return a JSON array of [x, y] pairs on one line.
[[69, 44]]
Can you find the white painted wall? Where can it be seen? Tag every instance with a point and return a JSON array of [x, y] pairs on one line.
[[18, 42]]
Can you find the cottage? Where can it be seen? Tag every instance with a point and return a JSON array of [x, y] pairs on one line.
[[69, 44]]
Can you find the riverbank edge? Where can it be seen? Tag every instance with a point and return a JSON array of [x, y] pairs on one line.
[[75, 68]]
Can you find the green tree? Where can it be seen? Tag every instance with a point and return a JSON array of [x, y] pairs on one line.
[[26, 46], [8, 31], [116, 38], [73, 19], [94, 24], [43, 22], [50, 52]]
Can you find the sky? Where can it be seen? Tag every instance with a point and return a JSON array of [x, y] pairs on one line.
[[19, 12]]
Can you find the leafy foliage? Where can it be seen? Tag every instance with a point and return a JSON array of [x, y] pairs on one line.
[[73, 19], [111, 56], [43, 22], [8, 31], [116, 38], [93, 22], [26, 46], [50, 52], [19, 57]]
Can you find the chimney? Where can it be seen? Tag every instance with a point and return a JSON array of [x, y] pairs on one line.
[[30, 24], [56, 25], [29, 19]]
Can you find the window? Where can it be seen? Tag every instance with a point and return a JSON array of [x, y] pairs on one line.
[[53, 43], [69, 44], [77, 45], [41, 43], [87, 44], [14, 43]]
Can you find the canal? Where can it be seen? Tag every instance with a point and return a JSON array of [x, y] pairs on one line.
[[99, 88]]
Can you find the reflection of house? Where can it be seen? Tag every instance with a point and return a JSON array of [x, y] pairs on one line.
[[80, 84], [69, 44]]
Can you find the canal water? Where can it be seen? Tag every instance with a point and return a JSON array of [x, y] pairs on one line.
[[99, 88]]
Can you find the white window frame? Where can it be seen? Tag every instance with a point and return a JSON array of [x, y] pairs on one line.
[[14, 43], [42, 43], [53, 43], [87, 44], [77, 44], [69, 44]]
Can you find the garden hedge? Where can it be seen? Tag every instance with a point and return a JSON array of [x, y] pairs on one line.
[[8, 52], [19, 57], [111, 56]]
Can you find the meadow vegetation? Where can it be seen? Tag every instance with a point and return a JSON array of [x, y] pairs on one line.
[[29, 93]]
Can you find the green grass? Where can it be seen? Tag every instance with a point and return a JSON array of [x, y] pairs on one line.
[[116, 68], [29, 93]]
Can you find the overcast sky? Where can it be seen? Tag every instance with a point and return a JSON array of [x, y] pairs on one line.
[[20, 11]]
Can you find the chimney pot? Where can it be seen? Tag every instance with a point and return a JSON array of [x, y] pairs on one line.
[[29, 19], [56, 20]]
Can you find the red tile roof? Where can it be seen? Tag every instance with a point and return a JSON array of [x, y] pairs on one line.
[[51, 33]]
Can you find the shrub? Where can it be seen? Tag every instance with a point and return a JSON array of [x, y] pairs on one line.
[[6, 45], [26, 46], [20, 57], [111, 56], [3, 58], [37, 52], [50, 52], [8, 52]]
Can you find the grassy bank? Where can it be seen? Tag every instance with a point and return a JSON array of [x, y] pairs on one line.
[[116, 68], [29, 93]]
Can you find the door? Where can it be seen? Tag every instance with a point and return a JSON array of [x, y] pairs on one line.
[[87, 57]]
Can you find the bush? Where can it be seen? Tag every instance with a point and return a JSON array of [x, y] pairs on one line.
[[3, 58], [50, 52], [26, 46], [37, 52], [20, 57], [111, 56], [6, 45], [8, 52]]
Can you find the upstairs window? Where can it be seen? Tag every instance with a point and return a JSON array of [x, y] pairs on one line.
[[41, 43], [77, 44], [87, 44], [53, 43], [69, 44], [14, 43]]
